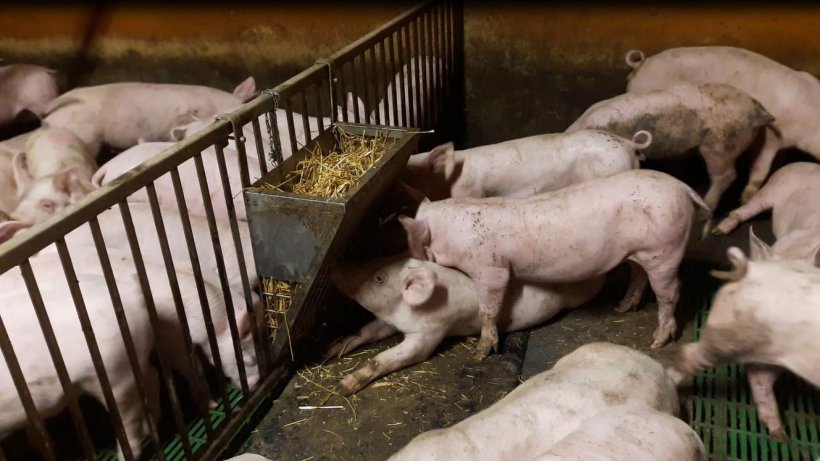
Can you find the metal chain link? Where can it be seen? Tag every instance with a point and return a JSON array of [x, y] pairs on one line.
[[275, 154]]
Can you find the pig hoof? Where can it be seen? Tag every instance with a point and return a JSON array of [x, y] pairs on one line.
[[726, 226], [660, 342], [625, 306], [212, 404], [780, 435], [349, 385]]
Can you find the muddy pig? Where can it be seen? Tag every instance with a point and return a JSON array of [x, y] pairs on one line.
[[629, 433], [427, 302], [791, 96], [523, 167], [718, 120], [568, 235], [767, 317], [550, 406], [793, 195]]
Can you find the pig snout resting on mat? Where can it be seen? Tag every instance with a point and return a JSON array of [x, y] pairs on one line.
[[118, 115], [767, 317], [549, 406], [25, 87], [523, 167], [718, 120], [427, 302], [793, 195], [568, 235], [629, 433], [54, 172], [791, 96]]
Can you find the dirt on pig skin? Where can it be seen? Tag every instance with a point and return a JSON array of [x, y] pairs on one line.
[[384, 416]]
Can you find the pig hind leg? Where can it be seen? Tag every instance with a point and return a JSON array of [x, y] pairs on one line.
[[662, 270], [491, 285], [762, 164], [635, 290], [720, 164], [761, 381], [415, 348]]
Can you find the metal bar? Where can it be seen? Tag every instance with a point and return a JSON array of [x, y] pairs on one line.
[[355, 91], [240, 256], [305, 123], [91, 341], [153, 318], [458, 40], [320, 120], [203, 302], [424, 104], [294, 146], [407, 52], [57, 359], [393, 83], [365, 87], [339, 87], [387, 76], [174, 285], [435, 39], [374, 82], [440, 60], [432, 104], [38, 430], [122, 321], [260, 147]]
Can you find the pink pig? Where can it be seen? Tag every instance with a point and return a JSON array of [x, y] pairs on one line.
[[25, 87], [571, 234]]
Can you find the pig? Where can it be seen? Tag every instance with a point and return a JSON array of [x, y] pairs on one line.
[[37, 367], [137, 155], [315, 126], [523, 167], [549, 406], [47, 266], [426, 302], [54, 172], [767, 317], [718, 120], [25, 87], [791, 96], [791, 193], [571, 234], [17, 144], [8, 187], [118, 115], [629, 433]]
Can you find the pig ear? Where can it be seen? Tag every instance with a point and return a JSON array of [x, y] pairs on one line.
[[758, 249], [178, 133], [419, 285], [738, 260], [418, 236], [442, 159], [68, 182], [415, 195], [9, 229], [22, 177], [245, 90]]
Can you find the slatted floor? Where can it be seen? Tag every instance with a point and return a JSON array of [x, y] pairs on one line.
[[722, 410]]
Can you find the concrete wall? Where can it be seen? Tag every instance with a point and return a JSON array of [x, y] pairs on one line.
[[534, 69]]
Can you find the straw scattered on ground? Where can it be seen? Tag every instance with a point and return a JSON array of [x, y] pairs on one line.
[[333, 174]]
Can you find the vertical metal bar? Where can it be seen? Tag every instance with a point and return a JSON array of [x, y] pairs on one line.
[[320, 119], [448, 53], [429, 65], [458, 55], [260, 147], [122, 321], [153, 318], [341, 97], [91, 341], [374, 82], [305, 123], [291, 129], [407, 89], [246, 289], [387, 77], [38, 430], [57, 359], [422, 69], [421, 105], [391, 42], [239, 135], [355, 90], [365, 80], [438, 62], [203, 299]]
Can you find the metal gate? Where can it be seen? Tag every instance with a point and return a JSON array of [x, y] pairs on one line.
[[177, 267]]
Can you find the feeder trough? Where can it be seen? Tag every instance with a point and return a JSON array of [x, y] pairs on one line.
[[296, 238]]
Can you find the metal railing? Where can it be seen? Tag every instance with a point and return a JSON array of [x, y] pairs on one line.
[[407, 73]]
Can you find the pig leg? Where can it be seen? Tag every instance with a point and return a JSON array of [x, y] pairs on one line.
[[761, 381], [491, 284], [720, 164], [760, 202], [663, 277], [128, 404], [415, 348], [370, 333], [762, 164], [637, 285]]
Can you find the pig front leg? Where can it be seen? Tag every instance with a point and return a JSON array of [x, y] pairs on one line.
[[762, 165], [692, 359], [761, 381], [761, 202], [491, 284], [374, 331], [415, 348], [637, 285]]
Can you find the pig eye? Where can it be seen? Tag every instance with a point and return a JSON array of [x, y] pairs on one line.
[[47, 205], [379, 278]]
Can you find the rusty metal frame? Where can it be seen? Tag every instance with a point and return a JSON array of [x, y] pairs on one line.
[[365, 67]]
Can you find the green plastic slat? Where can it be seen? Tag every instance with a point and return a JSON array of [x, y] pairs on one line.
[[723, 411]]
